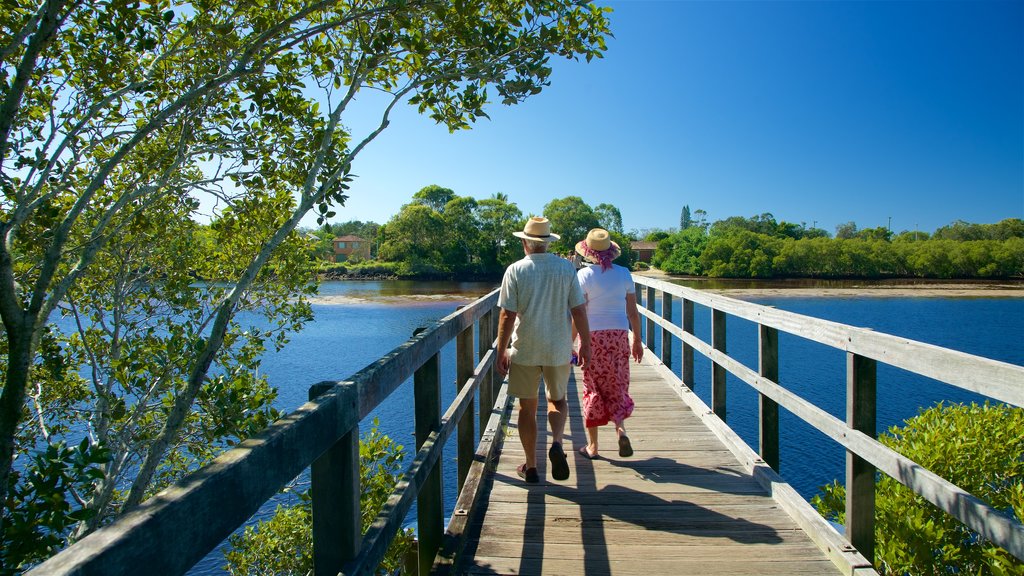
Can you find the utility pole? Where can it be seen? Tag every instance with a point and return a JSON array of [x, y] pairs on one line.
[[888, 227]]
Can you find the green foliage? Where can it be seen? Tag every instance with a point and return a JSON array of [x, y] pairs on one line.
[[466, 236], [679, 253], [571, 218], [979, 449], [40, 510], [117, 117], [283, 544], [760, 247], [964, 231], [609, 218], [434, 196]]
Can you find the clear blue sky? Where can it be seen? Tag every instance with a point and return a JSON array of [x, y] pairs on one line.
[[815, 111]]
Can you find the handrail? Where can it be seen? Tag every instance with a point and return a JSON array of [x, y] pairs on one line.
[[215, 500], [998, 380]]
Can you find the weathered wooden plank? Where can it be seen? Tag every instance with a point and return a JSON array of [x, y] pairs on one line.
[[681, 490], [598, 564], [633, 545]]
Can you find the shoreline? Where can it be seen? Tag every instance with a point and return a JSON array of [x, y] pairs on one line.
[[891, 288]]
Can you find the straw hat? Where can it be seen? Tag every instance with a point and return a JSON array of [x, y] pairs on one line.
[[598, 240], [537, 228]]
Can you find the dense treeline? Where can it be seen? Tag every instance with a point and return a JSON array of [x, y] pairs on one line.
[[760, 247], [442, 234]]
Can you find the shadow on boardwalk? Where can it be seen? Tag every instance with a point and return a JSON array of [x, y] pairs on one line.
[[648, 514]]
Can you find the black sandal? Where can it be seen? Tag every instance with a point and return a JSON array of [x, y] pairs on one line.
[[559, 464], [625, 448], [529, 475]]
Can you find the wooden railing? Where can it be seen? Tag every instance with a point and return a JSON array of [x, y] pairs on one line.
[[172, 531], [864, 349]]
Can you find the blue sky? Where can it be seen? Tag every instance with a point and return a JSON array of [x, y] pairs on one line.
[[819, 112]]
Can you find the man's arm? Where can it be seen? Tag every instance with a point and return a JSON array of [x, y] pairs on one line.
[[506, 324], [579, 318]]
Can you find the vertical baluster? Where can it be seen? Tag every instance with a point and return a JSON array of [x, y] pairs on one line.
[[463, 372], [666, 336], [687, 368], [486, 386], [334, 487], [718, 372], [639, 288], [768, 367], [429, 503], [649, 301], [860, 474]]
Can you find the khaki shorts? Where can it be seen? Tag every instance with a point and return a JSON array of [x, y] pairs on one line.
[[523, 381]]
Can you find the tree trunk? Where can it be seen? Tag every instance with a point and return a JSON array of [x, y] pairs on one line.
[[12, 400]]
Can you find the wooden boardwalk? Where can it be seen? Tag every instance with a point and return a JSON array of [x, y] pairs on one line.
[[682, 504]]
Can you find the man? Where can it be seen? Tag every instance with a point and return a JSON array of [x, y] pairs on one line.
[[541, 291]]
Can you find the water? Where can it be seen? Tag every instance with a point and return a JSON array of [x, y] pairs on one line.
[[357, 322]]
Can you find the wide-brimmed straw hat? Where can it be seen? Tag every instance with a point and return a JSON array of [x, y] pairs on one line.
[[537, 228], [598, 240]]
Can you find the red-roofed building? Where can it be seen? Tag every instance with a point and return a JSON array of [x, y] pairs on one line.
[[644, 250], [346, 247]]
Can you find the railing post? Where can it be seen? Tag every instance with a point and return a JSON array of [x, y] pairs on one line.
[[649, 301], [464, 371], [486, 385], [768, 367], [666, 336], [687, 360], [429, 503], [860, 474], [334, 487], [717, 371]]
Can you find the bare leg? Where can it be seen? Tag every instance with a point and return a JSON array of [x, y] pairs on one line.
[[620, 427], [558, 410], [592, 441], [528, 429]]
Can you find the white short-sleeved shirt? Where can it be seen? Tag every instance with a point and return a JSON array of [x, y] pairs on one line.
[[541, 289], [606, 296]]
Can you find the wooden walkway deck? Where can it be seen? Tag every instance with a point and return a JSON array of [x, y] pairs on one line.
[[682, 504]]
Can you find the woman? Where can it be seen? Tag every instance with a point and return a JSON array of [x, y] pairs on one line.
[[611, 312]]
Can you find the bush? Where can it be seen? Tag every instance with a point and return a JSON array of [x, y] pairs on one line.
[[641, 266], [979, 449], [283, 544]]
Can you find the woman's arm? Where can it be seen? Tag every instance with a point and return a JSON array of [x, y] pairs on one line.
[[634, 325]]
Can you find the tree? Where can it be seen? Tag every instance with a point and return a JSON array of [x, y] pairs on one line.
[[977, 448], [685, 221], [571, 218], [609, 218], [461, 218], [680, 253], [416, 237], [434, 196], [498, 220], [846, 230], [110, 111]]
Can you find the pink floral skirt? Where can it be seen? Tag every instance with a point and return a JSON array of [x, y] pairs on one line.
[[606, 381]]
